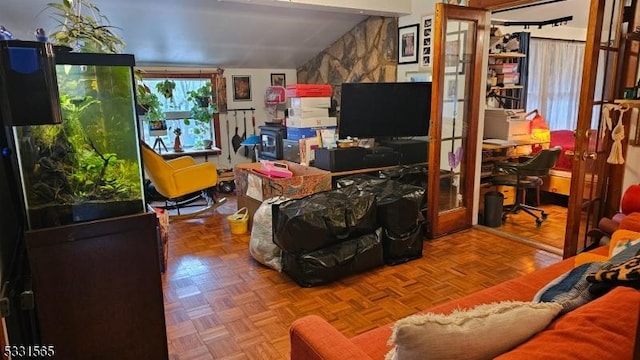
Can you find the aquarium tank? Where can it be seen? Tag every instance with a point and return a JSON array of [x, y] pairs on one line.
[[88, 167]]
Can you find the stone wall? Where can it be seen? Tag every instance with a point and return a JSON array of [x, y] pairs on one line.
[[367, 53]]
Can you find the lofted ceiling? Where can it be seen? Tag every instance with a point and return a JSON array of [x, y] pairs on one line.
[[230, 33]]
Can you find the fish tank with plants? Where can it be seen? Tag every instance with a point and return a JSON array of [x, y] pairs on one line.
[[88, 167]]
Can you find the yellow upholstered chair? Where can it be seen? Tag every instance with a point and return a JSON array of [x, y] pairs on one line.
[[177, 178]]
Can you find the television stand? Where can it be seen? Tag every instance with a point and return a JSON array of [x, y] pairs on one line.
[[411, 151]]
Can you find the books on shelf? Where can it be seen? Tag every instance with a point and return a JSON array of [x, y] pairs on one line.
[[508, 78], [504, 68]]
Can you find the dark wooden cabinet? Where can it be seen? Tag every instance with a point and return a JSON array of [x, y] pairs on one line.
[[98, 291]]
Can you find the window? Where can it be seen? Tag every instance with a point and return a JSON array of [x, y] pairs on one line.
[[178, 113], [555, 76]]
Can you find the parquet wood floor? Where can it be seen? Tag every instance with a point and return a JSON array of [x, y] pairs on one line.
[[550, 233], [221, 304]]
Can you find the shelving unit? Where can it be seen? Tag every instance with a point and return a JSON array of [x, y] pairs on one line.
[[509, 95]]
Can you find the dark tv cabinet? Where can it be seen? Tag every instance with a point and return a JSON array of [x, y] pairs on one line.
[[411, 151], [98, 290]]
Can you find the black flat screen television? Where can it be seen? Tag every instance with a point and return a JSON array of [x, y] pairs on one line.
[[375, 110]]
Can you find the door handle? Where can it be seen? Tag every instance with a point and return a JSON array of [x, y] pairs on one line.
[[589, 155]]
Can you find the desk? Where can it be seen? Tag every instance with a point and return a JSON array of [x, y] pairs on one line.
[[192, 152]]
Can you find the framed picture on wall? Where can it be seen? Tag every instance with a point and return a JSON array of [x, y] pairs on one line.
[[408, 44], [278, 80], [241, 87], [426, 41]]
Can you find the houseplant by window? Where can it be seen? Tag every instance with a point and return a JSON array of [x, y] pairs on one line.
[[166, 89], [201, 113], [201, 96], [83, 28]]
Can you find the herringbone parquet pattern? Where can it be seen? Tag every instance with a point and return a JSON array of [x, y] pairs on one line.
[[221, 304]]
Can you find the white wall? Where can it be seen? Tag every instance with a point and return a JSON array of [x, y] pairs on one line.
[[260, 80], [632, 158], [418, 10]]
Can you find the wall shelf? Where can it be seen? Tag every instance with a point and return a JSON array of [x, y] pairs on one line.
[[507, 87], [509, 55]]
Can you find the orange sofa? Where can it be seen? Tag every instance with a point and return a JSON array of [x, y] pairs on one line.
[[604, 328]]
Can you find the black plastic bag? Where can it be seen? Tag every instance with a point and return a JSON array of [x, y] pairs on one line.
[[334, 262], [361, 181], [399, 205], [415, 175], [323, 219], [403, 248]]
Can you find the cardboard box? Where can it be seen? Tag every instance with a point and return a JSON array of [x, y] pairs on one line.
[[316, 102], [294, 133], [253, 188], [308, 90], [308, 112], [293, 121]]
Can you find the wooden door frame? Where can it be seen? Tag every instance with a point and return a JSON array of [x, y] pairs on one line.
[[626, 72], [441, 223]]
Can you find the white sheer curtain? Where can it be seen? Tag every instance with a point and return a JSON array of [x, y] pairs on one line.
[[555, 75]]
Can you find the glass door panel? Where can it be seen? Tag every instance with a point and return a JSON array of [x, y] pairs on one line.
[[457, 86]]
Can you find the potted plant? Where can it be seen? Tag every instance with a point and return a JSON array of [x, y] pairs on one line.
[[83, 28], [201, 112], [148, 103], [201, 96], [166, 88]]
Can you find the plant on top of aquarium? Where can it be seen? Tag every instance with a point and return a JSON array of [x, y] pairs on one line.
[[166, 88], [83, 27]]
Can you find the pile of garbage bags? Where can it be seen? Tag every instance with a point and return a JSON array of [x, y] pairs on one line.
[[364, 223]]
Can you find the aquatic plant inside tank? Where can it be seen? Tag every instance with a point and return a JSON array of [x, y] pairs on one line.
[[88, 167]]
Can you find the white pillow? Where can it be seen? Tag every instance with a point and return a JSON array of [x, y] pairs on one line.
[[479, 333]]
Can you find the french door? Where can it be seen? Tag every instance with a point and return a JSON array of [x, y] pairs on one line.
[[459, 57], [592, 182]]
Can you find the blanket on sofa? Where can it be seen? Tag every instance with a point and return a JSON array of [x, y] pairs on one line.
[[581, 285]]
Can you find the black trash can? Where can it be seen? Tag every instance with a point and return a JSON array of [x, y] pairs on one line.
[[493, 202]]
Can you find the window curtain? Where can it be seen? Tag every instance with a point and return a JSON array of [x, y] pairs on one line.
[[555, 76]]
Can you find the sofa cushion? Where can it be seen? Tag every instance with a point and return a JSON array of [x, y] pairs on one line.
[[602, 329], [631, 222], [479, 333]]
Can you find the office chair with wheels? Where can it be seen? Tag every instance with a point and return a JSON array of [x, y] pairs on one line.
[[526, 175]]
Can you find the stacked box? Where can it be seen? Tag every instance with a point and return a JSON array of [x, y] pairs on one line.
[[308, 119], [309, 106], [295, 133]]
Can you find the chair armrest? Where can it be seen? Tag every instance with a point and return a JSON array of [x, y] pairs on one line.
[[195, 178], [508, 167], [313, 338], [182, 161]]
